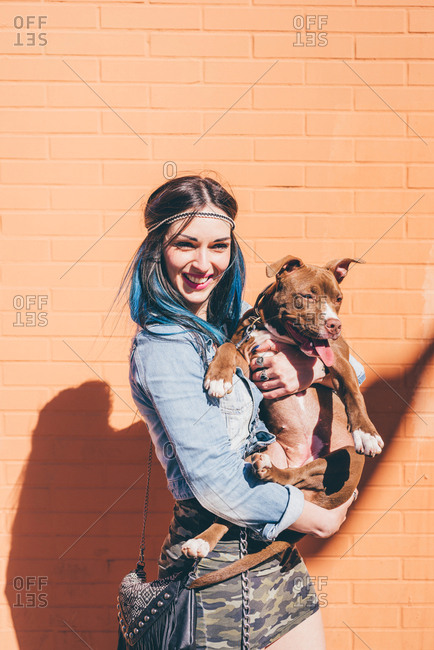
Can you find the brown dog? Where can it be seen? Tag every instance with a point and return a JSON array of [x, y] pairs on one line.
[[318, 431]]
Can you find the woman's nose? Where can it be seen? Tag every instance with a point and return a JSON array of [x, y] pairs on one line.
[[201, 259]]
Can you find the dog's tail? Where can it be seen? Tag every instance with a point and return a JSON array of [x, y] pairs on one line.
[[244, 564]]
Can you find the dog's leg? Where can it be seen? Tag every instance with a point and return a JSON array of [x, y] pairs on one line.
[[203, 543], [366, 437], [327, 481], [218, 379]]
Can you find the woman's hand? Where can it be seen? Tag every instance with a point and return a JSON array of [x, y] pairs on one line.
[[320, 522], [279, 369]]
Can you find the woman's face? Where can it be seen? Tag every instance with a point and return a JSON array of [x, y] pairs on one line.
[[197, 257]]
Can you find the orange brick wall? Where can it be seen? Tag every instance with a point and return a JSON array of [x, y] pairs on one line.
[[328, 144]]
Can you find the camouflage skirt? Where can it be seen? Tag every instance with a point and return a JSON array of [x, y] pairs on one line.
[[278, 600]]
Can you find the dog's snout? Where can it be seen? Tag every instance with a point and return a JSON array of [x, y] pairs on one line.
[[333, 326]]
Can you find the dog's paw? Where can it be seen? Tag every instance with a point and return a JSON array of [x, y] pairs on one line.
[[217, 387], [195, 548], [367, 443], [262, 465]]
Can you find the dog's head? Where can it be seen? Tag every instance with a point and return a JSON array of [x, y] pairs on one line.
[[304, 302]]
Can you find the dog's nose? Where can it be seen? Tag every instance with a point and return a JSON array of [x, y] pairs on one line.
[[333, 325]]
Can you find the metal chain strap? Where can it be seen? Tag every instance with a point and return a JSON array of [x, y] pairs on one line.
[[141, 561], [145, 510], [245, 641]]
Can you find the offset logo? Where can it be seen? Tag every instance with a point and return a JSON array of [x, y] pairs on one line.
[[302, 583], [29, 32], [29, 311], [314, 314], [320, 582], [169, 170], [29, 591], [169, 450], [309, 30]]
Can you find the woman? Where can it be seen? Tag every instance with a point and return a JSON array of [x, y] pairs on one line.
[[186, 285]]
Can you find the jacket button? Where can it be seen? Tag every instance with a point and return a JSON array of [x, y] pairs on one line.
[[166, 596], [153, 611], [146, 619]]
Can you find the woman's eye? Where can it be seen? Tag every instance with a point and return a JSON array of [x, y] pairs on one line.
[[183, 244], [221, 246]]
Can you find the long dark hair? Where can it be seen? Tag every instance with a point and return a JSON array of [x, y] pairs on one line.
[[152, 298]]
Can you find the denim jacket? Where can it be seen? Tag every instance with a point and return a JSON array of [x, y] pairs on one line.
[[201, 441]]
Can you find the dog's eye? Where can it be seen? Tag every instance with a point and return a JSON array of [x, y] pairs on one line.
[[338, 298], [308, 296]]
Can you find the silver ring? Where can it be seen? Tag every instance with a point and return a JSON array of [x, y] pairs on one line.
[[260, 361], [263, 376]]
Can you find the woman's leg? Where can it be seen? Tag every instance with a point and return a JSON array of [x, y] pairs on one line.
[[306, 635]]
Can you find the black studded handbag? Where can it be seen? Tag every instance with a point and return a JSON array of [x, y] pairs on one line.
[[158, 615]]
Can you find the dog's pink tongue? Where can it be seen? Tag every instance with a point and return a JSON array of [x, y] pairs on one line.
[[324, 351]]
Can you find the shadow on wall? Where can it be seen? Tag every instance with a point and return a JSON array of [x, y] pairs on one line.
[[78, 526], [387, 405], [67, 557]]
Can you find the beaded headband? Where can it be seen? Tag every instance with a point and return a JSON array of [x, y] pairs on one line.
[[182, 215]]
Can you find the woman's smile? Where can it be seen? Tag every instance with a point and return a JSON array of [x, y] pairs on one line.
[[197, 281]]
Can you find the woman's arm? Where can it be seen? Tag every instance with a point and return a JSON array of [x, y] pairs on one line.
[[320, 522], [167, 378]]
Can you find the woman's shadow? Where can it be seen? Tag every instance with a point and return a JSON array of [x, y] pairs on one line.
[[78, 522], [79, 512]]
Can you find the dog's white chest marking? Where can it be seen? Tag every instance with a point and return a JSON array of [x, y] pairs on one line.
[[301, 401], [262, 335]]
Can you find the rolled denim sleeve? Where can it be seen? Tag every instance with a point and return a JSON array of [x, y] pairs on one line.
[[359, 369], [170, 373]]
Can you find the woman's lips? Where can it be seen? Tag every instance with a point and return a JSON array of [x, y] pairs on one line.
[[201, 284]]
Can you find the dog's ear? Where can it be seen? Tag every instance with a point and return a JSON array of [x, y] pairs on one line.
[[288, 264], [339, 268]]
